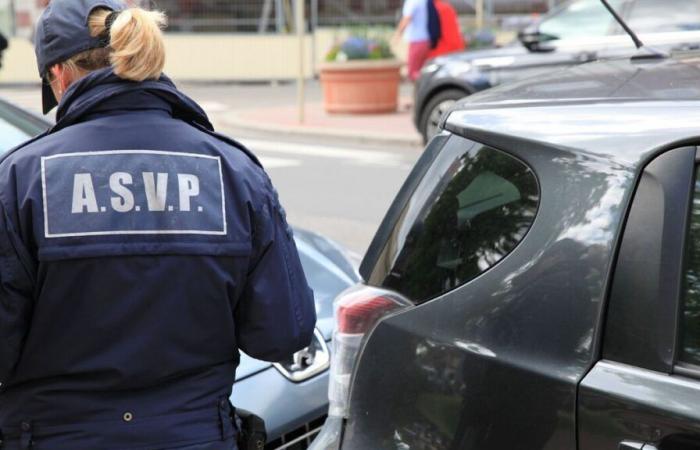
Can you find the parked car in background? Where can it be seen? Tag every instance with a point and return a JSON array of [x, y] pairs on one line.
[[536, 282], [578, 31], [291, 395]]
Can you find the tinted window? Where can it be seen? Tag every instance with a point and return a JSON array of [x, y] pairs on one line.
[[583, 18], [668, 15], [691, 312], [471, 209]]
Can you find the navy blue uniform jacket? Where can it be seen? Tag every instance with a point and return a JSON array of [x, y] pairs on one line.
[[139, 251]]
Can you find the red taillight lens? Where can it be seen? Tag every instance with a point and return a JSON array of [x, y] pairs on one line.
[[358, 313]]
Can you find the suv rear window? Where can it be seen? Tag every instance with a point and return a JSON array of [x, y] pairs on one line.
[[473, 207]]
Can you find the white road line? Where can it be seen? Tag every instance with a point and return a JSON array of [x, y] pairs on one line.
[[277, 163], [213, 106], [359, 156]]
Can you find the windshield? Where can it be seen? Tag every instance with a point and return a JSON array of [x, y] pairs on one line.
[[17, 127], [581, 18], [11, 136], [649, 16]]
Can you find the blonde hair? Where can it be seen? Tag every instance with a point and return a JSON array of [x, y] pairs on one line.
[[136, 49]]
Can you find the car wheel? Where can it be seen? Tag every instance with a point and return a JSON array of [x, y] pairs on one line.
[[435, 109]]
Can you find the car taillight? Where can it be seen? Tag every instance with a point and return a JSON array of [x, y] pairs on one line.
[[357, 311]]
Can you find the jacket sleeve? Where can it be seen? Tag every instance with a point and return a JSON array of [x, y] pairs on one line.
[[276, 314], [16, 291]]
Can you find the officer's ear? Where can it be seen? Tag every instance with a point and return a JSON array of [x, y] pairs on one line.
[[59, 80]]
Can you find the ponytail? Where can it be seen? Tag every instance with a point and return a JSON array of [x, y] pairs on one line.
[[136, 41]]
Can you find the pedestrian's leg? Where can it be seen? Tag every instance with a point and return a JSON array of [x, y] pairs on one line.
[[417, 56]]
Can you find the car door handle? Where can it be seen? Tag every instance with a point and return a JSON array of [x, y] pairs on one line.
[[633, 445]]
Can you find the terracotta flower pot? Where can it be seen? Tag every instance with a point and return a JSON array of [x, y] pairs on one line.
[[361, 87]]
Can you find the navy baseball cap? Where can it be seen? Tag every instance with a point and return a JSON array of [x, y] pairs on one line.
[[62, 32]]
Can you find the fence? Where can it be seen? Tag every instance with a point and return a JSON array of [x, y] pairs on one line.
[[267, 16], [17, 17]]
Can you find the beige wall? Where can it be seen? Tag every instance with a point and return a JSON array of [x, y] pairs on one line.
[[19, 63], [205, 57]]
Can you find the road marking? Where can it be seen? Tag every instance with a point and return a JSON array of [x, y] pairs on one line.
[[371, 157], [213, 106], [277, 163]]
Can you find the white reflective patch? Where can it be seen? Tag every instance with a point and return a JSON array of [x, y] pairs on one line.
[[132, 192]]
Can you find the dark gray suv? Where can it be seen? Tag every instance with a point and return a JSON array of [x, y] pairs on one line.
[[578, 31], [536, 283]]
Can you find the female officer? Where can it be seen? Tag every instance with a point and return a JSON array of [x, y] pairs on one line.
[[139, 251]]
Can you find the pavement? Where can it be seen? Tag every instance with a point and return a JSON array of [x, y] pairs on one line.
[[337, 182], [396, 128], [282, 117]]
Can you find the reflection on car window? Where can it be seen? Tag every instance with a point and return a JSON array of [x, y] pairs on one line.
[[669, 15], [691, 313], [580, 19], [472, 214], [10, 136]]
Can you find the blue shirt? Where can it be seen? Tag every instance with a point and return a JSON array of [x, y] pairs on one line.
[[417, 30]]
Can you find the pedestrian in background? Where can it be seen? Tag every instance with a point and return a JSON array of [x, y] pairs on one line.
[[451, 39], [414, 28], [140, 251]]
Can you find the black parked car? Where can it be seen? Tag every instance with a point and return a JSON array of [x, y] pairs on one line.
[[536, 282], [578, 31]]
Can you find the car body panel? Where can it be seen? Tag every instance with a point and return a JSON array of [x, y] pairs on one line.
[[625, 403], [636, 394], [284, 405], [481, 367], [608, 109], [560, 267]]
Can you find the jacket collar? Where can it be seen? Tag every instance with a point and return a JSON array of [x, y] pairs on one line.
[[93, 91]]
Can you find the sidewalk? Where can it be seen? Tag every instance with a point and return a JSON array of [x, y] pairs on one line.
[[283, 119], [379, 129]]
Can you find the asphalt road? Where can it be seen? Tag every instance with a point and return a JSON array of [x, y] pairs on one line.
[[340, 189]]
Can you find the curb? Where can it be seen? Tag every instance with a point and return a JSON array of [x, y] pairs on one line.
[[357, 137]]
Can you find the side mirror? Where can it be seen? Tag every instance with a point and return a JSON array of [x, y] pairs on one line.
[[536, 41]]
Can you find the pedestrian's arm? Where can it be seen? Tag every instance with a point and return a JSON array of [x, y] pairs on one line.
[[409, 10], [16, 291], [276, 314], [403, 24]]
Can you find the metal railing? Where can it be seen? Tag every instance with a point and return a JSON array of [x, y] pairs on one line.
[[277, 16]]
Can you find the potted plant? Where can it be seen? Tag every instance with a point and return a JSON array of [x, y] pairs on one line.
[[361, 76]]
